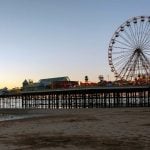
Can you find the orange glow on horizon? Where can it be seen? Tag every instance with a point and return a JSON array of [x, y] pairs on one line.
[[18, 83]]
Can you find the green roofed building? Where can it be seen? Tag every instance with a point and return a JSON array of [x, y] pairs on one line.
[[49, 83]]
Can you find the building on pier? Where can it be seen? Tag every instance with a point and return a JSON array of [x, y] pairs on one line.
[[49, 83], [3, 91]]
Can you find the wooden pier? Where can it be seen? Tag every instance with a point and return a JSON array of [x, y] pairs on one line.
[[89, 97]]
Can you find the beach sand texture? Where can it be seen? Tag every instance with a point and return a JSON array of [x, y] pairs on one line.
[[79, 129]]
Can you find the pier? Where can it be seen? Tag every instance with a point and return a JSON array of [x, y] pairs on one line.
[[90, 97]]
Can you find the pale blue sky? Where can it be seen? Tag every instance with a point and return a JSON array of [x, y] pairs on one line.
[[51, 38]]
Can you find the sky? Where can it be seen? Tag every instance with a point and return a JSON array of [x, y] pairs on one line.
[[52, 38]]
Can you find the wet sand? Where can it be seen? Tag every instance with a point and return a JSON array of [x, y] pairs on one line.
[[78, 129]]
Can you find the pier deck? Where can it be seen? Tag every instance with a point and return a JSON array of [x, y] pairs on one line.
[[88, 97]]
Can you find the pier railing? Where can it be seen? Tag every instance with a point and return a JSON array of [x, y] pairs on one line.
[[88, 97]]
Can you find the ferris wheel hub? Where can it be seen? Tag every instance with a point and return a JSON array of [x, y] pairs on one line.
[[138, 50]]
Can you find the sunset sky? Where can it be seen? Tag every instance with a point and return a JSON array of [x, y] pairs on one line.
[[51, 38]]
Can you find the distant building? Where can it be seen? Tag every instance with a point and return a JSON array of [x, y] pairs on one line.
[[49, 83], [4, 91]]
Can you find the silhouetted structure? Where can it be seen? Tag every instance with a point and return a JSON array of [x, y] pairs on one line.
[[49, 83], [89, 97]]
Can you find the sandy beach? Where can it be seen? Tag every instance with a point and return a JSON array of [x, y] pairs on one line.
[[78, 129]]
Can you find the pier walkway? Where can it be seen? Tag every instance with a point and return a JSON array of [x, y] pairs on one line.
[[88, 97]]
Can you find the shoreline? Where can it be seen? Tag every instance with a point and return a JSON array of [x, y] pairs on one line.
[[31, 113], [76, 129]]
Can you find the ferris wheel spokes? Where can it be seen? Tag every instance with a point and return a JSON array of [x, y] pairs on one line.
[[129, 49]]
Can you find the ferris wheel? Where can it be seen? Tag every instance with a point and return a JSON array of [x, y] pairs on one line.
[[129, 49]]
